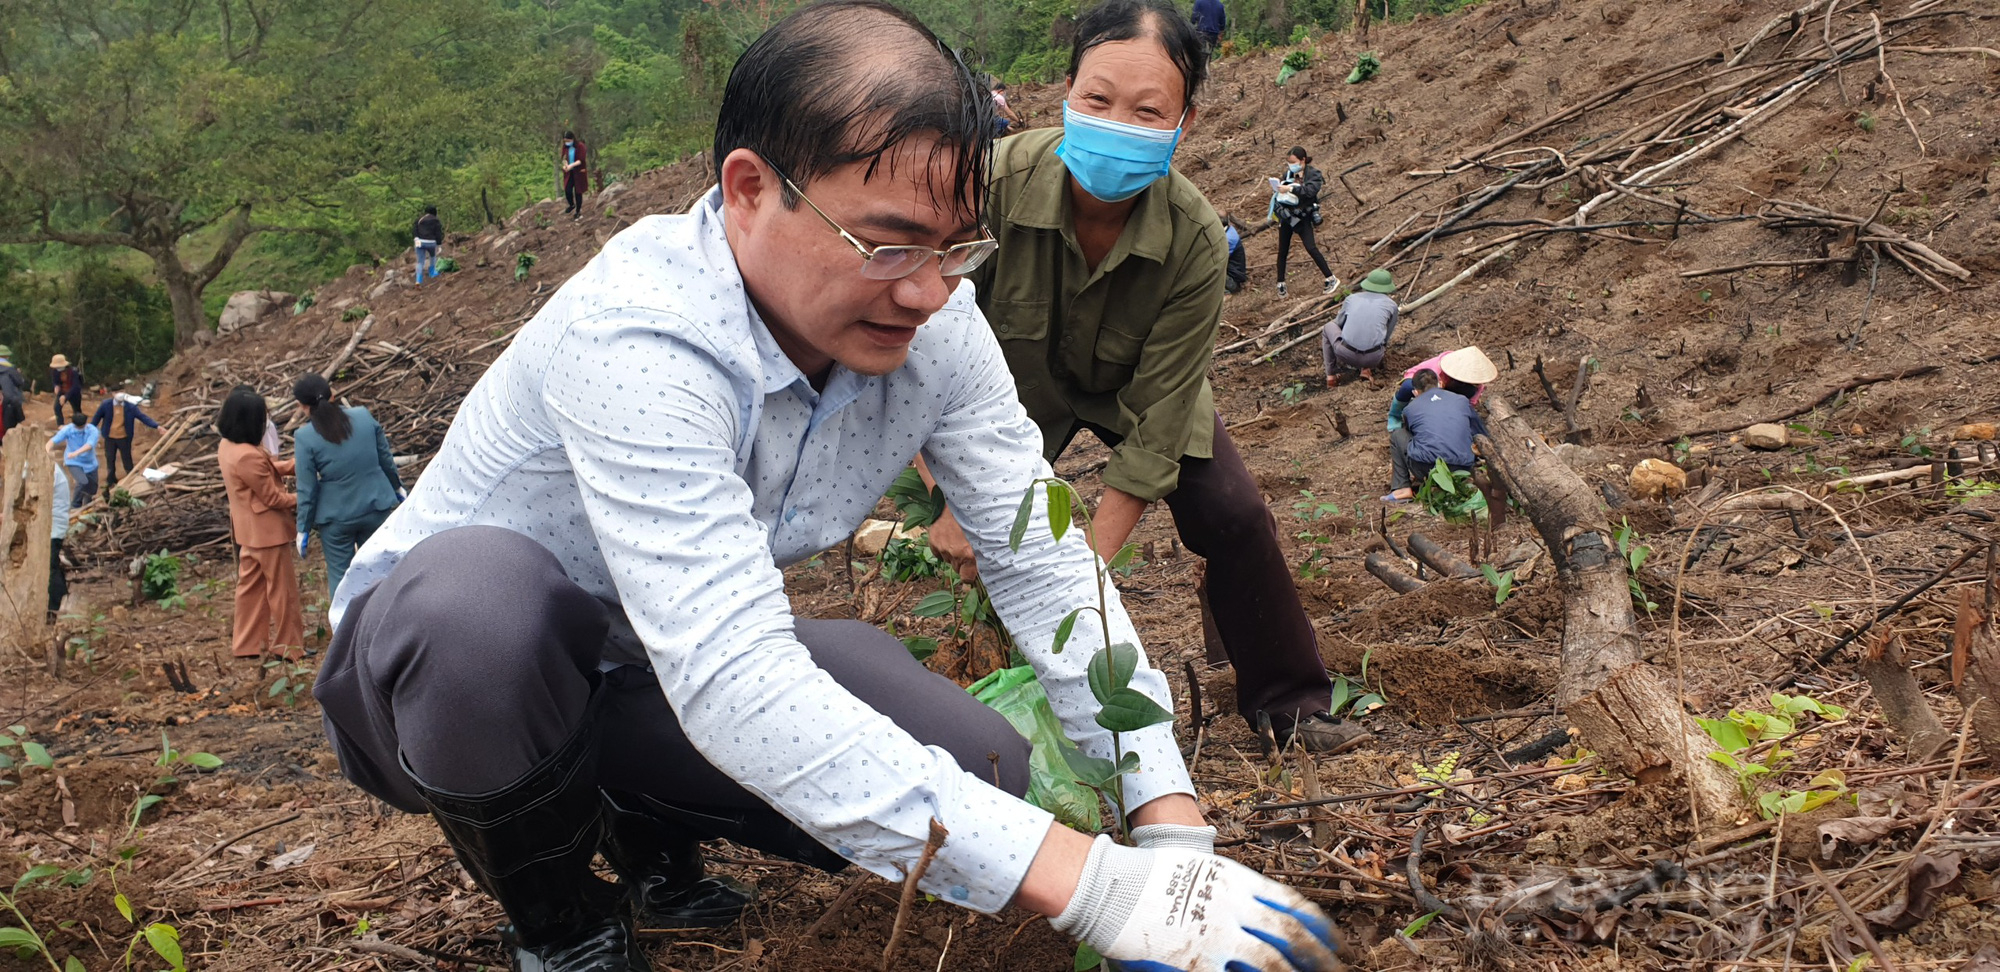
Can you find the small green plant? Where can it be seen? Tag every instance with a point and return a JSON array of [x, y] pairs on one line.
[[1736, 733], [1450, 493], [304, 303], [15, 740], [910, 558], [1121, 708], [294, 679], [83, 646], [160, 579], [353, 314], [1365, 67], [447, 265], [1866, 121], [1913, 443], [1293, 392], [122, 499], [1635, 554], [1353, 699], [1300, 35], [522, 264], [1503, 584], [1967, 489], [966, 604], [1310, 508]]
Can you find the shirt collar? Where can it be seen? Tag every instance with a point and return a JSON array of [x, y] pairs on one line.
[[1044, 204]]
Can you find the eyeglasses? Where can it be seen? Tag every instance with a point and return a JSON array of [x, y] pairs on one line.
[[898, 261]]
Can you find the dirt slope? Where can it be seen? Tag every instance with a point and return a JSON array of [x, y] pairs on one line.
[[1713, 352]]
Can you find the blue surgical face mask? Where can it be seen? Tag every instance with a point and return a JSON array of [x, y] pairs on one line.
[[1111, 160], [1293, 169]]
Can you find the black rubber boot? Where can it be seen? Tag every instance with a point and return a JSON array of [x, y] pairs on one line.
[[660, 862], [529, 845]]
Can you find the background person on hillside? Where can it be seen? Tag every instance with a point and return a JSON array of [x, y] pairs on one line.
[[1297, 211], [346, 475], [260, 514], [1004, 117], [575, 633], [13, 393], [1465, 371], [113, 419], [1438, 424], [429, 234], [67, 382], [1210, 20], [573, 162], [58, 529], [1358, 336], [78, 442], [1238, 272], [1114, 332]]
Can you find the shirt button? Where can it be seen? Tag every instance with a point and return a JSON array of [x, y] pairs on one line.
[[791, 514]]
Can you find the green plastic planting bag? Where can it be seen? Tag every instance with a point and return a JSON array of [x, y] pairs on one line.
[[1014, 693], [1365, 67]]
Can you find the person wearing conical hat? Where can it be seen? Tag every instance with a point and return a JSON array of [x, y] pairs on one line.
[[1359, 335], [1465, 371], [1440, 425], [67, 382]]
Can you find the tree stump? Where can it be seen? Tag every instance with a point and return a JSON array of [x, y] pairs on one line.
[[1975, 673], [1621, 707], [29, 473], [1902, 699]]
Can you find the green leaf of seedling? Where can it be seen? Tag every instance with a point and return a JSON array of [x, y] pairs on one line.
[[1726, 733], [936, 604], [147, 802], [20, 938], [166, 750], [1413, 928], [1729, 762], [6, 740], [18, 730], [1128, 763], [1832, 779], [1366, 704], [1059, 512], [1089, 770], [920, 647], [205, 760], [6, 762], [1751, 771], [35, 754], [124, 905], [1021, 515], [1064, 629], [1441, 477], [36, 873], [1343, 693], [73, 964], [1111, 669], [1815, 799], [284, 682], [1125, 556], [1128, 710], [166, 942], [1086, 958]]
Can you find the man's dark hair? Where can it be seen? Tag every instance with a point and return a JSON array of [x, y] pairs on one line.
[[242, 416], [1120, 20], [77, 419], [999, 85], [1424, 380], [817, 91], [430, 210]]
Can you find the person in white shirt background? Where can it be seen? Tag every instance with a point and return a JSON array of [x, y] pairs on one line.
[[574, 635]]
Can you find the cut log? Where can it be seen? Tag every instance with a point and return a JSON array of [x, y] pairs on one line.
[[25, 522], [1902, 699], [1437, 558], [1621, 707], [1388, 571], [1976, 672]]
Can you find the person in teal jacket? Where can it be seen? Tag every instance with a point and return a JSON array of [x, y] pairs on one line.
[[347, 477]]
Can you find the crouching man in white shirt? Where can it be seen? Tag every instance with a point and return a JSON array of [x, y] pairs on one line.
[[574, 636]]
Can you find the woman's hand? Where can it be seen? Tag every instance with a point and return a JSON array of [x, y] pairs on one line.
[[948, 541]]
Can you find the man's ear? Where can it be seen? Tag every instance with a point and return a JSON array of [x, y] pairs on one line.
[[749, 187], [1187, 123]]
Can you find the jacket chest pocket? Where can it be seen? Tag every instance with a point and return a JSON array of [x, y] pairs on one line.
[[1115, 358]]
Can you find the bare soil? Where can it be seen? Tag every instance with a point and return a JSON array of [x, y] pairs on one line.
[[1671, 357]]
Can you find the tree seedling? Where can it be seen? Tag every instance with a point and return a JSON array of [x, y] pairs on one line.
[[1121, 708], [1740, 731], [16, 738], [1503, 584]]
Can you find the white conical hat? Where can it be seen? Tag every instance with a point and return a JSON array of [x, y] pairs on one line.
[[1469, 365]]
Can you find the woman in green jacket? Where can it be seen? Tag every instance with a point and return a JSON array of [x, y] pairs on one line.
[[1105, 295], [347, 477]]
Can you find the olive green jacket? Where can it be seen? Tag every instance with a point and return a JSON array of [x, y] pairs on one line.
[[1126, 347]]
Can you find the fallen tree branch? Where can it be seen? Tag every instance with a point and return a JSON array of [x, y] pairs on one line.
[[1897, 604]]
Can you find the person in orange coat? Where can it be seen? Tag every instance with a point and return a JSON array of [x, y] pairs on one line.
[[261, 514]]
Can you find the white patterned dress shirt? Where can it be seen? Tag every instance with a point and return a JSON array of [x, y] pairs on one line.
[[647, 430]]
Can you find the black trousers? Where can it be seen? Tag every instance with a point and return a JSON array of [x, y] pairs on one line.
[[1222, 517], [1304, 231], [75, 405], [58, 581], [573, 186], [113, 449], [475, 658]]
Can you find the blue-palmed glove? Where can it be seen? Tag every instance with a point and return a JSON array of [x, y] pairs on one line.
[[402, 494], [1171, 909], [304, 538]]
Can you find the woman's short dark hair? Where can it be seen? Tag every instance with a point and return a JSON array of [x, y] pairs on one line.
[[845, 81], [569, 136], [1119, 20], [328, 418], [1299, 152], [242, 416]]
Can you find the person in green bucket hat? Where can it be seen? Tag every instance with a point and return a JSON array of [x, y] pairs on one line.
[[1358, 336]]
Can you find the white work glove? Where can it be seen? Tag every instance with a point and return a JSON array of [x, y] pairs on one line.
[[304, 538], [1169, 909], [402, 494], [1201, 839]]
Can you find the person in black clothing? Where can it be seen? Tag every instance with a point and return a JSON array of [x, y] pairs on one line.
[[13, 392], [67, 382], [1297, 210], [114, 418], [573, 161], [429, 233], [1239, 262]]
